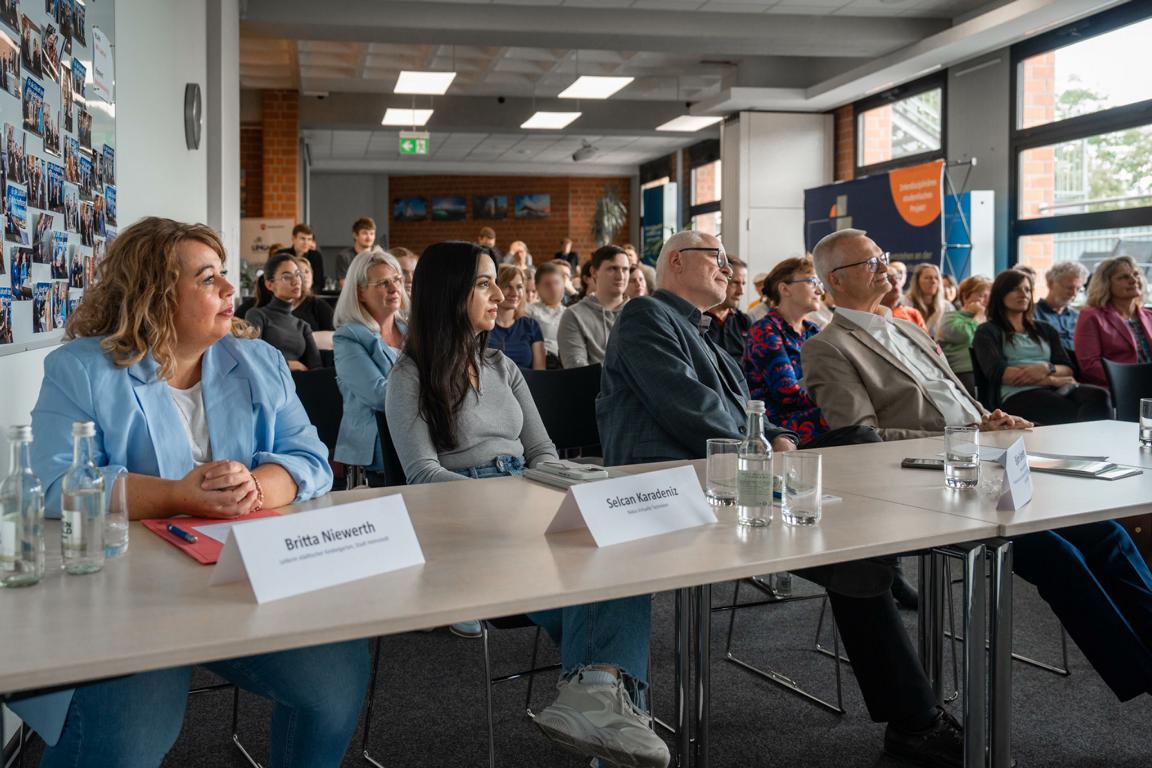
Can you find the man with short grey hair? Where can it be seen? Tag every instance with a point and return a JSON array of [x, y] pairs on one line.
[[1065, 282]]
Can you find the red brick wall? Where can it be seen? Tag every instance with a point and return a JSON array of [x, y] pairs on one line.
[[573, 209], [1037, 166], [281, 158], [845, 152], [251, 171]]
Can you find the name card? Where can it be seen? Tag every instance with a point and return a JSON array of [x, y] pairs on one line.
[[635, 507], [1017, 489], [293, 554]]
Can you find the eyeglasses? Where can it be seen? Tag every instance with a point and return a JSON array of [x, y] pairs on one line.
[[815, 281], [289, 277], [718, 253], [388, 282], [874, 263]]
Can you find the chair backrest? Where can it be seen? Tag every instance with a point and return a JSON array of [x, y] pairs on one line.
[[321, 399], [983, 390], [393, 471], [1128, 384], [566, 399]]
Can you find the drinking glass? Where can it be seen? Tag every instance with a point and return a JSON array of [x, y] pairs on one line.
[[961, 457], [802, 489], [720, 482], [1146, 422]]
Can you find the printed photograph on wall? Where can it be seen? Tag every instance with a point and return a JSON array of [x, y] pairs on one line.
[[16, 222], [79, 22], [63, 15], [71, 160], [79, 73], [55, 187], [87, 225], [5, 315], [101, 216], [59, 255], [14, 147], [59, 305], [30, 53], [37, 183], [71, 208], [41, 308], [42, 240], [66, 104], [87, 175], [84, 128], [489, 206], [449, 208], [9, 16], [21, 274], [110, 204], [76, 269], [109, 166], [51, 44], [51, 131], [537, 206], [33, 107], [9, 65], [409, 209]]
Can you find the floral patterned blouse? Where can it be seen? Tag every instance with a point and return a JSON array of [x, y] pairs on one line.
[[772, 367]]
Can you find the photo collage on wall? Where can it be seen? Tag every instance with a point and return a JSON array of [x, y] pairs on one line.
[[57, 164]]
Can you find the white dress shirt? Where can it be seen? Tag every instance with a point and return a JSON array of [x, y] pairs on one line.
[[954, 403]]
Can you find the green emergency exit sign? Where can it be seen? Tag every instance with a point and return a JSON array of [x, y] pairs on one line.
[[414, 142]]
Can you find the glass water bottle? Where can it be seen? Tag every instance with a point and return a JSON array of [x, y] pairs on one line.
[[754, 471], [21, 516], [82, 506]]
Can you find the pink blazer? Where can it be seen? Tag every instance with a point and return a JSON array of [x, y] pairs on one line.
[[1101, 333]]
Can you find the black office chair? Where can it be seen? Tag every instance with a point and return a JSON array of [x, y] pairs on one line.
[[566, 400], [327, 358], [324, 405], [1128, 384], [983, 388], [393, 471]]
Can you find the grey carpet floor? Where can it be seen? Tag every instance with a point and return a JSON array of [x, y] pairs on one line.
[[430, 702]]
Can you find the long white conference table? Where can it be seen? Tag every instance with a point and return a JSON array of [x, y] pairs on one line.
[[154, 608]]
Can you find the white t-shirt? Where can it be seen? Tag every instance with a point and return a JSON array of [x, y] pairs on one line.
[[190, 403], [549, 319]]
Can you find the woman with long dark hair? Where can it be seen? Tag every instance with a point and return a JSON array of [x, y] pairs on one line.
[[458, 410], [281, 286], [1028, 371]]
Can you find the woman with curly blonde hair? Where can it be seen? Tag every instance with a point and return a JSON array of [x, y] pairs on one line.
[[205, 422]]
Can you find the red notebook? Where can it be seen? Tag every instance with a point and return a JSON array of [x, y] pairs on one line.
[[207, 550]]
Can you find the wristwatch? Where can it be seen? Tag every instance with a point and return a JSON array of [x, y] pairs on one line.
[[1051, 368]]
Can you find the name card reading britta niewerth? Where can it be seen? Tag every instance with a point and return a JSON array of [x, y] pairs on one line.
[[290, 555], [635, 507], [1017, 488]]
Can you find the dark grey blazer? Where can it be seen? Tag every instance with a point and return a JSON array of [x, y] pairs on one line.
[[666, 387]]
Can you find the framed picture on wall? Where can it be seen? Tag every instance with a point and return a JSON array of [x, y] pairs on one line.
[[537, 206], [449, 208], [409, 209], [489, 206]]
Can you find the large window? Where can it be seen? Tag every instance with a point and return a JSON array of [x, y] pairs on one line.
[[704, 205], [901, 126], [1082, 142]]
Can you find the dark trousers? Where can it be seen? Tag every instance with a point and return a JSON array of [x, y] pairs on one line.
[[1100, 588], [1048, 406]]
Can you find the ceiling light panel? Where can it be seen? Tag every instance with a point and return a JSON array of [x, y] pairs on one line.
[[549, 120], [423, 83], [592, 87], [688, 123], [406, 117]]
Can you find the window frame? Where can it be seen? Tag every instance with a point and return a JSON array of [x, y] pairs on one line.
[[1070, 129], [891, 96]]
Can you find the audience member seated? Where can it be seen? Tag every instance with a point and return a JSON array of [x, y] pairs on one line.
[[369, 335], [516, 334], [951, 291], [316, 312], [958, 328], [901, 270], [550, 282], [893, 298], [666, 390], [205, 423], [459, 410], [1065, 282], [586, 285], [1027, 369], [1114, 324], [926, 296], [823, 316], [567, 254], [729, 326], [637, 283], [761, 304], [363, 239], [272, 318], [487, 238], [518, 255], [1091, 575], [568, 271], [304, 246], [407, 261], [772, 355], [584, 328]]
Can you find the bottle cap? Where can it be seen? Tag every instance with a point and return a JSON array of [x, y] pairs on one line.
[[754, 406], [21, 432], [83, 429]]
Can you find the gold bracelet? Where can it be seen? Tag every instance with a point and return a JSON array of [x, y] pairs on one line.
[[259, 493]]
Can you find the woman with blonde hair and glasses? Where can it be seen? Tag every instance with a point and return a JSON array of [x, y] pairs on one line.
[[370, 320], [1114, 324], [207, 423]]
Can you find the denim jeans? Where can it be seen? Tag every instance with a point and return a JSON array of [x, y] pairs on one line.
[[132, 722], [613, 632]]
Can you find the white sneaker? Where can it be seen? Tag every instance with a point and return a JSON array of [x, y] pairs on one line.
[[599, 719]]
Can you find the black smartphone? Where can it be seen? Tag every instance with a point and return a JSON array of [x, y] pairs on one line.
[[922, 463]]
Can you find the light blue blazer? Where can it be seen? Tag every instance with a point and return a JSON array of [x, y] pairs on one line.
[[363, 362], [253, 414]]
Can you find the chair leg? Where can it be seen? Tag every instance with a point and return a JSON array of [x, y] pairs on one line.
[[532, 676], [235, 729], [488, 691], [371, 702]]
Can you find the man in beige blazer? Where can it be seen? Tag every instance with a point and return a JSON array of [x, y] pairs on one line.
[[866, 368]]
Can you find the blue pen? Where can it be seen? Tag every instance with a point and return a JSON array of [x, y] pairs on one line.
[[181, 533]]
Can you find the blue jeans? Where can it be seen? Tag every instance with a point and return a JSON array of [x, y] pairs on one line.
[[613, 632], [132, 722], [1100, 588]]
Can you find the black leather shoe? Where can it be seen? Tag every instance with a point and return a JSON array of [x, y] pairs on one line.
[[905, 594], [940, 745]]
